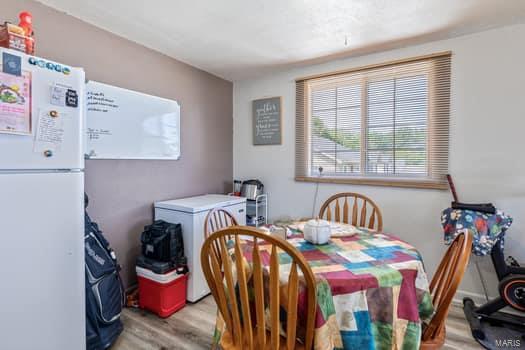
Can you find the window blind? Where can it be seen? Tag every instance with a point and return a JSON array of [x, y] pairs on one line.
[[385, 124]]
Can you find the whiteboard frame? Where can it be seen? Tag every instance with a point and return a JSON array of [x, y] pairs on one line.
[[97, 157]]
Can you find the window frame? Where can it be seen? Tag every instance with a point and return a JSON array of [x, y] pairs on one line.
[[427, 181]]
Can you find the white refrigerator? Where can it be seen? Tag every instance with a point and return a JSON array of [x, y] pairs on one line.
[[42, 298]]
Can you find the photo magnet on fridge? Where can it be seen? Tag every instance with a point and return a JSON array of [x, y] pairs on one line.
[[11, 64], [71, 98]]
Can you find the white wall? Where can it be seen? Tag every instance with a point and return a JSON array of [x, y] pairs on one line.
[[487, 138]]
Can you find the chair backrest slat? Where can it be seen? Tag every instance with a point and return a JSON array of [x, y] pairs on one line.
[[291, 321], [371, 222], [359, 215], [216, 223], [446, 281], [354, 212], [328, 213], [232, 294], [242, 284], [232, 297], [362, 222], [218, 219], [274, 298], [345, 211], [259, 295], [218, 292]]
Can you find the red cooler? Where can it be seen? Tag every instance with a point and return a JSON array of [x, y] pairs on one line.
[[162, 294]]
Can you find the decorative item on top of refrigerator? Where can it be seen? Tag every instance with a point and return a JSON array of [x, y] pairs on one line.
[[19, 37]]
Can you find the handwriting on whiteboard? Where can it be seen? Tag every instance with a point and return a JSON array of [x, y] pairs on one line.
[[126, 124], [98, 102]]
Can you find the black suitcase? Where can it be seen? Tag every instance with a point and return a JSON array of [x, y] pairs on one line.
[[162, 241]]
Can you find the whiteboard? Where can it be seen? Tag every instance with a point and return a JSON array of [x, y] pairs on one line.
[[125, 124]]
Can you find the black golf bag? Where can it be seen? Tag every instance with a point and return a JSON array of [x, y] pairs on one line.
[[104, 290]]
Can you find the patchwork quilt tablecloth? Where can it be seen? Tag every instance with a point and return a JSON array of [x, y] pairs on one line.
[[372, 290], [486, 229]]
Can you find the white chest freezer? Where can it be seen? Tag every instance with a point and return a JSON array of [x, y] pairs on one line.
[[191, 214]]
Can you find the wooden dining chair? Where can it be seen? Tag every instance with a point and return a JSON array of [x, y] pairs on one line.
[[443, 287], [216, 220], [229, 282], [361, 205]]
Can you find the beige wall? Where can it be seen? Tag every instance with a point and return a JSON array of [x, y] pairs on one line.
[[122, 192], [486, 144]]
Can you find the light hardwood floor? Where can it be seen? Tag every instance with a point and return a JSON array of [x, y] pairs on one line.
[[192, 328], [458, 331]]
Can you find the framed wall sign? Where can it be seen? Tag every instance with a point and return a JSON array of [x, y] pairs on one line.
[[267, 126]]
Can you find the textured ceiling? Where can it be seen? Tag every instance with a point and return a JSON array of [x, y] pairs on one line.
[[238, 39]]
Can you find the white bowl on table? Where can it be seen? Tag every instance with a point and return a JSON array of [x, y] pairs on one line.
[[317, 231]]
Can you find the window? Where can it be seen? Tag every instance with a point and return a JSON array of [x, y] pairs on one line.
[[383, 124]]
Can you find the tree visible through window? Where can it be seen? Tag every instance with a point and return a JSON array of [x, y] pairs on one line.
[[394, 128]]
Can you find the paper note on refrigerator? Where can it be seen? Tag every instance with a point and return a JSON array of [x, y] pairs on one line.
[[58, 95], [15, 103], [50, 130]]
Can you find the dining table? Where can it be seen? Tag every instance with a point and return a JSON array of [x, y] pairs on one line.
[[372, 289]]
